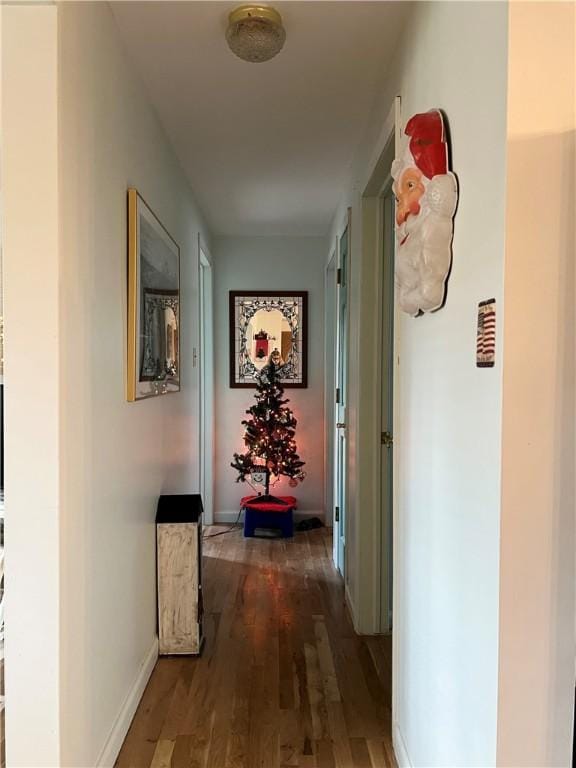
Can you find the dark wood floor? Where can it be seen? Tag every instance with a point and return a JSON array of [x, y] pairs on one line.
[[283, 679]]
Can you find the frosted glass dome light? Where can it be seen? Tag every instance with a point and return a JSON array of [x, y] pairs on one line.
[[255, 33]]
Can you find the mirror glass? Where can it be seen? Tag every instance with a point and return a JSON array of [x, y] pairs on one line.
[[268, 334]]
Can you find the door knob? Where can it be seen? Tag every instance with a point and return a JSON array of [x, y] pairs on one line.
[[340, 425], [386, 439]]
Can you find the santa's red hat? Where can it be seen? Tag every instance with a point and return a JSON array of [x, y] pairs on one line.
[[428, 142]]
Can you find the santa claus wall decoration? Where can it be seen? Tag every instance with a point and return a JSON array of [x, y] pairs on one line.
[[426, 195]]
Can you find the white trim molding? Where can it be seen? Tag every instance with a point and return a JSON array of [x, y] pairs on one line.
[[351, 609], [203, 249], [399, 745], [127, 711]]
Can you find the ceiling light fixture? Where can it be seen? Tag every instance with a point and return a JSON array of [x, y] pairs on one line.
[[255, 32]]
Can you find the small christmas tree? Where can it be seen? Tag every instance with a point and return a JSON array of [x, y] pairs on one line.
[[269, 435]]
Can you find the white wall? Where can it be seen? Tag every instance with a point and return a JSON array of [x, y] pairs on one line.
[[95, 464], [447, 439], [29, 161], [537, 643], [268, 264], [117, 456]]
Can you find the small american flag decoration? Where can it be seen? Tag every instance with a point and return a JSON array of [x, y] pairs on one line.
[[486, 335]]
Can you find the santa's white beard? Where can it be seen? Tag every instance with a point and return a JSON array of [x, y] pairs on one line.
[[412, 224], [424, 252]]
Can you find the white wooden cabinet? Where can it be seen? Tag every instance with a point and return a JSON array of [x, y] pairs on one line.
[[179, 568]]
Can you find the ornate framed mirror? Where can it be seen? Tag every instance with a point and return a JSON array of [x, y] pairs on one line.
[[264, 326]]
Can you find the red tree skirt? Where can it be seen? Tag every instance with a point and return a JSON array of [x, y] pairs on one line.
[[290, 503]]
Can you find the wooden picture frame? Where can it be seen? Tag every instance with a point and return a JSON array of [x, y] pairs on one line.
[[252, 340], [153, 366]]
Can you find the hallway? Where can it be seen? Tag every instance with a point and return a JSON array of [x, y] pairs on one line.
[[348, 197], [283, 679]]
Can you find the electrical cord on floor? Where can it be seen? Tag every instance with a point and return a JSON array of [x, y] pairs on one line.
[[233, 527]]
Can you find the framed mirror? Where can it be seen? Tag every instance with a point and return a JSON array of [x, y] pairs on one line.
[[264, 326], [153, 304]]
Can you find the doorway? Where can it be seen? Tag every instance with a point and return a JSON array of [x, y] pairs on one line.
[[330, 385], [378, 405], [206, 380], [387, 211], [341, 398]]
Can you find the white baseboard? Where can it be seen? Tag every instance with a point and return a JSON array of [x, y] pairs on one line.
[[124, 718], [400, 747], [226, 516], [351, 608]]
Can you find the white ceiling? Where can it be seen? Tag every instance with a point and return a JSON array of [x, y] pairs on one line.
[[266, 146]]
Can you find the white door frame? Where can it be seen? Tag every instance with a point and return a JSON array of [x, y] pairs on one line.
[[329, 381], [372, 254], [340, 407], [372, 261], [385, 601], [206, 380]]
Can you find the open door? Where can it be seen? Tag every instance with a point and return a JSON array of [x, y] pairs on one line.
[[340, 443], [387, 407]]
